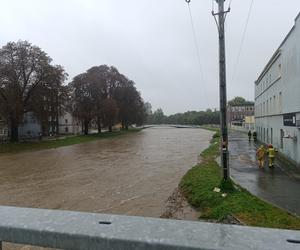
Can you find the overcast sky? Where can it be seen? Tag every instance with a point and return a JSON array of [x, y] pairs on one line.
[[151, 41]]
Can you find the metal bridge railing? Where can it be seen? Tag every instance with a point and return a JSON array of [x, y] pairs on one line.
[[78, 230]]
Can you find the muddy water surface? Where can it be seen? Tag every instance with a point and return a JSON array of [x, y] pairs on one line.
[[132, 174]]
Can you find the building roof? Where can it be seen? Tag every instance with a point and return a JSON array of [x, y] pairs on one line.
[[242, 105]]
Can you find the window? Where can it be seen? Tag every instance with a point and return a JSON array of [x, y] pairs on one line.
[[66, 129], [279, 69], [274, 104], [271, 135], [66, 120], [280, 102]]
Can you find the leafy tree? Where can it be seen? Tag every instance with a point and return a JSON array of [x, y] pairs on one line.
[[105, 96], [237, 101], [157, 117], [24, 69], [109, 113], [51, 99], [187, 118], [129, 102], [83, 103]]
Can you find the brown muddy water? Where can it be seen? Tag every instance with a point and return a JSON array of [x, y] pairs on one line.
[[133, 174]]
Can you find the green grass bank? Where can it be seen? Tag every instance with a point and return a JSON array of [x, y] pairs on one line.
[[198, 185], [60, 142]]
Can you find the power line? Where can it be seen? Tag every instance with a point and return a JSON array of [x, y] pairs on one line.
[[242, 40], [195, 40]]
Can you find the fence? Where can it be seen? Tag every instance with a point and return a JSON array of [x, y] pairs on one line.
[[78, 230]]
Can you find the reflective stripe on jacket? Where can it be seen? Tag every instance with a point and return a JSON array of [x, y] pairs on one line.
[[271, 152]]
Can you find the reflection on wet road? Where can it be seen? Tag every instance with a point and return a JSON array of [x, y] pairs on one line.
[[132, 174], [274, 185]]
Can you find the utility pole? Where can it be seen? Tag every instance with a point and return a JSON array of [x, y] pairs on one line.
[[222, 81]]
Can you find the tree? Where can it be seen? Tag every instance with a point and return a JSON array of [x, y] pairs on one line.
[[51, 99], [130, 103], [187, 118], [105, 96], [109, 113], [23, 69], [83, 103], [239, 101], [157, 117]]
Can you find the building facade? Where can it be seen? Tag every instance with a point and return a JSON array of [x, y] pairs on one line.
[[238, 113], [67, 124], [277, 97]]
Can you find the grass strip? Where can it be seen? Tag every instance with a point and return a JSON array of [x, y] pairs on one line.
[[62, 142], [199, 182]]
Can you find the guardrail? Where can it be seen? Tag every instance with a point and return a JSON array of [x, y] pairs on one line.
[[78, 230]]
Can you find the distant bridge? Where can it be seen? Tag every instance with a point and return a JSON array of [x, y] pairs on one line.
[[171, 125]]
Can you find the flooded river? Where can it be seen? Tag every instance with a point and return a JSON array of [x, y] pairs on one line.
[[132, 174]]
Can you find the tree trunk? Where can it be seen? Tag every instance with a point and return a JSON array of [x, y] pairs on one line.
[[86, 128], [14, 130], [99, 125], [123, 125], [126, 127], [110, 128]]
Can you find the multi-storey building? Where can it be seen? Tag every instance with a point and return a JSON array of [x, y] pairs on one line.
[[238, 113], [277, 97]]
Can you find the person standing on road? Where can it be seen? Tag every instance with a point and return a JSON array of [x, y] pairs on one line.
[[261, 153], [249, 135], [271, 153], [255, 136]]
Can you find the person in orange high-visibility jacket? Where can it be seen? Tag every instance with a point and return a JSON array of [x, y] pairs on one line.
[[271, 153], [261, 153]]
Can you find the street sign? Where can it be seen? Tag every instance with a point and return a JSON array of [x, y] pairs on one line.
[[289, 120]]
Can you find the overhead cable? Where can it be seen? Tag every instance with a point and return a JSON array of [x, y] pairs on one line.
[[195, 40], [242, 41]]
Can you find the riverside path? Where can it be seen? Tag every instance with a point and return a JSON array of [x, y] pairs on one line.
[[279, 186]]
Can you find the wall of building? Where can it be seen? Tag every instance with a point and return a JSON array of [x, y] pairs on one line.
[[277, 93], [30, 127], [68, 124]]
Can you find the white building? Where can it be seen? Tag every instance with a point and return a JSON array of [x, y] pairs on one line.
[[277, 97], [67, 124]]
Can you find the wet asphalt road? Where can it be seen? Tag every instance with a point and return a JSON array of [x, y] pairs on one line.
[[277, 185]]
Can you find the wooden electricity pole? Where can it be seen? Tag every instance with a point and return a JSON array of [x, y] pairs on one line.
[[222, 81]]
